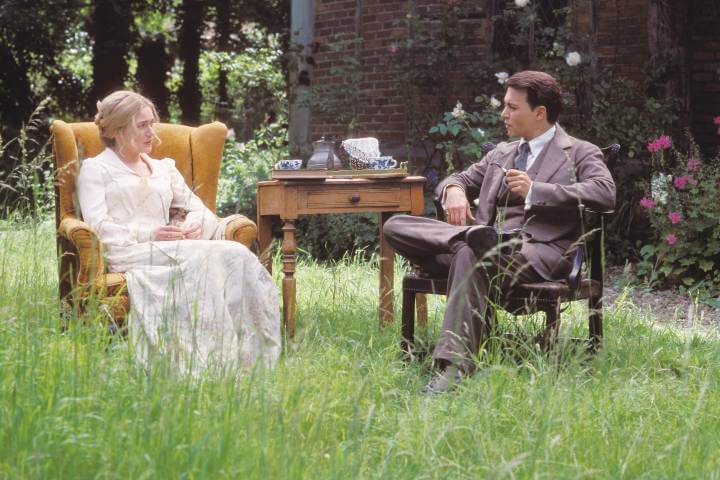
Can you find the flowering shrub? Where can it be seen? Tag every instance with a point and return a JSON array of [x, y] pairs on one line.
[[683, 207], [460, 134]]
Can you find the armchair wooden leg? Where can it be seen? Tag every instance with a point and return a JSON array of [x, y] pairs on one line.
[[408, 321]]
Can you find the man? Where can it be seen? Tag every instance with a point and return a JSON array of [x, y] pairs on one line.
[[519, 186]]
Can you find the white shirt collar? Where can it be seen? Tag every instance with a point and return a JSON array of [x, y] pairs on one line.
[[539, 142]]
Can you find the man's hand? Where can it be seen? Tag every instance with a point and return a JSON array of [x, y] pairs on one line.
[[192, 231], [457, 208], [167, 233], [518, 182]]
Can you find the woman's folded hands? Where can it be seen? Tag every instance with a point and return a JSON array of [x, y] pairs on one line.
[[191, 231]]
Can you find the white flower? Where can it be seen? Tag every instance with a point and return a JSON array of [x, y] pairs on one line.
[[481, 131], [494, 102], [659, 186], [521, 3], [458, 112], [502, 77], [230, 134], [573, 58]]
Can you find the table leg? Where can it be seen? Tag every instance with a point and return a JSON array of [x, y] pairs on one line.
[[288, 284], [264, 239], [421, 309], [387, 259]]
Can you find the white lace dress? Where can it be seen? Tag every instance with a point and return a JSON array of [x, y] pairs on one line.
[[205, 303]]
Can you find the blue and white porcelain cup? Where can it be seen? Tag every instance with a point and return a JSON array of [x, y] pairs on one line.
[[294, 164], [381, 163]]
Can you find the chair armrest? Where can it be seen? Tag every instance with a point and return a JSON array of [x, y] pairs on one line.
[[242, 230], [439, 212], [574, 277], [91, 264]]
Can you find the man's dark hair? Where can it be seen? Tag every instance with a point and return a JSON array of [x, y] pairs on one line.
[[542, 89]]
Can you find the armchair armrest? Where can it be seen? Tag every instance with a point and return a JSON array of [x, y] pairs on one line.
[[242, 230], [90, 264]]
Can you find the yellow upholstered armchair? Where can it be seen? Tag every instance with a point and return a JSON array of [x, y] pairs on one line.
[[197, 153]]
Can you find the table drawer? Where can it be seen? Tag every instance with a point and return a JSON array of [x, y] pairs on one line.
[[366, 196]]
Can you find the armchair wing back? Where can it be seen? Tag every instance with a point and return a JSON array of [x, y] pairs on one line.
[[197, 153]]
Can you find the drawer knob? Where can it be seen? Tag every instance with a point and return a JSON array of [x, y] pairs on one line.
[[355, 197]]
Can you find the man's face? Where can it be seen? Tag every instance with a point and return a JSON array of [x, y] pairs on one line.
[[519, 118]]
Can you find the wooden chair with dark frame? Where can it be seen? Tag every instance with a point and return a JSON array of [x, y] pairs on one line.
[[585, 282]]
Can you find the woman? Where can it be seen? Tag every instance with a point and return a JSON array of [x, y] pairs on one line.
[[204, 302]]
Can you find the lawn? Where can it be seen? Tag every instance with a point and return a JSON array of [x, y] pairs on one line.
[[342, 402]]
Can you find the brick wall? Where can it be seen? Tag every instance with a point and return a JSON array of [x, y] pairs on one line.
[[378, 104], [620, 37], [378, 96], [705, 76], [617, 32]]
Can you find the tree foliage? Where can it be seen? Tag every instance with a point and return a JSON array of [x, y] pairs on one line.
[[198, 60]]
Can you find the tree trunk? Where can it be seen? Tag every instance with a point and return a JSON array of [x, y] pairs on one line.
[[223, 38], [16, 98], [190, 30], [153, 64], [111, 34]]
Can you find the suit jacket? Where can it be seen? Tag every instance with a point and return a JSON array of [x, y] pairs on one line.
[[567, 172]]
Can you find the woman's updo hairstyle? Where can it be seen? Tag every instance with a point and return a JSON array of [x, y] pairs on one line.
[[116, 112]]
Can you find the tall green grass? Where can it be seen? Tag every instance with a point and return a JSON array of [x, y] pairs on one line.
[[342, 403]]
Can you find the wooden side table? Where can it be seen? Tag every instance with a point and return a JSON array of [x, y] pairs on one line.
[[288, 199]]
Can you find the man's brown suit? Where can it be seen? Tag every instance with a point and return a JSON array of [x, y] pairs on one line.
[[567, 172]]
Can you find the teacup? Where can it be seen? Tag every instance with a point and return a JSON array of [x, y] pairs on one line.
[[293, 164], [381, 163]]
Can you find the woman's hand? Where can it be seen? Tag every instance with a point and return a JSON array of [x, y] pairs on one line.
[[192, 231], [167, 233]]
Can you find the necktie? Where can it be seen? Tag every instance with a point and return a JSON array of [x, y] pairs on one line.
[[521, 159]]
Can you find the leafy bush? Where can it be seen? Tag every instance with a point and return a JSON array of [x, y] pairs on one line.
[[245, 164], [256, 87], [682, 203], [27, 185], [461, 134], [330, 237]]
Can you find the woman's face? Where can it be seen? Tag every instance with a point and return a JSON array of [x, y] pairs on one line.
[[139, 135]]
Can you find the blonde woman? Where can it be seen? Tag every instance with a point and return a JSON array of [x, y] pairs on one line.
[[199, 301]]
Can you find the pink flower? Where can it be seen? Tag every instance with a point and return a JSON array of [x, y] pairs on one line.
[[675, 217], [716, 120], [671, 239], [692, 164], [661, 143], [393, 49], [647, 202], [683, 180]]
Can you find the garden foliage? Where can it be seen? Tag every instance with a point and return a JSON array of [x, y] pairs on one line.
[[682, 204]]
